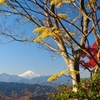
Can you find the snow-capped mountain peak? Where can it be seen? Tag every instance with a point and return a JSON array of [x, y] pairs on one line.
[[29, 74]]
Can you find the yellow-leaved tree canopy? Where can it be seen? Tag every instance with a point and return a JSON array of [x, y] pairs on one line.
[[65, 27]]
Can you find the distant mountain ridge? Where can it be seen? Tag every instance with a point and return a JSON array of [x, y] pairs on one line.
[[19, 90], [12, 78], [41, 80]]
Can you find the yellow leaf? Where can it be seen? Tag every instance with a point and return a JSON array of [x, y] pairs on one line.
[[57, 75], [44, 32], [71, 33], [39, 29], [54, 2], [68, 1], [53, 28], [62, 16], [90, 5], [60, 2], [72, 72], [74, 19], [93, 1], [2, 1]]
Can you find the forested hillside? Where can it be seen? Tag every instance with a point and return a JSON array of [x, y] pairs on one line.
[[22, 91]]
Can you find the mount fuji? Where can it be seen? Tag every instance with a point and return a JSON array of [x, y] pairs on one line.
[[29, 75]]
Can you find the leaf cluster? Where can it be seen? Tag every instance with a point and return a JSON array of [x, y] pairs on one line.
[[45, 32], [2, 1], [88, 89], [57, 75], [60, 2]]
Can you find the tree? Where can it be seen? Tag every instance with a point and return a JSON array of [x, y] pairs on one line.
[[88, 89], [61, 26]]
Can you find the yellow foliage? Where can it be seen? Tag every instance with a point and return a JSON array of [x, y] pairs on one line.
[[46, 32], [60, 2], [62, 16], [68, 1], [54, 1], [91, 3], [43, 31], [55, 76], [72, 72], [74, 19], [71, 33], [39, 29], [2, 1]]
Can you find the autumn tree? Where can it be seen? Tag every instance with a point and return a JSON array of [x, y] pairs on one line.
[[62, 26]]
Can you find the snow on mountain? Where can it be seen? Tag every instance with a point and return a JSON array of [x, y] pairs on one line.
[[29, 75]]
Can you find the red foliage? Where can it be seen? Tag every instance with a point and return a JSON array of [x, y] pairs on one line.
[[86, 60], [98, 87]]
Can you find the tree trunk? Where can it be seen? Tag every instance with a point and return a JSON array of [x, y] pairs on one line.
[[73, 66]]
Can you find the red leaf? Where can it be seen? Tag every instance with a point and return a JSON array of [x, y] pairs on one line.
[[88, 62]]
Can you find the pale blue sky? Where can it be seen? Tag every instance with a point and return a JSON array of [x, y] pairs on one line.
[[16, 57]]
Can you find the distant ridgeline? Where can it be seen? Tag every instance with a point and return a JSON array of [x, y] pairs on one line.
[[13, 90], [42, 80], [18, 88]]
